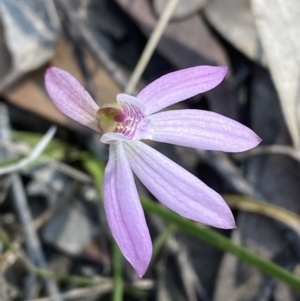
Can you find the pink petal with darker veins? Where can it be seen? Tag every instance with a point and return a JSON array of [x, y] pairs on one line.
[[202, 130], [124, 211], [180, 85], [70, 97], [178, 189]]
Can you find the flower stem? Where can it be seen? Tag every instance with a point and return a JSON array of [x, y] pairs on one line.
[[220, 241], [151, 45], [118, 286]]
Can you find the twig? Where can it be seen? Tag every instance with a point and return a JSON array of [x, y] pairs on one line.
[[3, 287], [68, 170], [46, 216], [5, 136], [38, 149], [4, 126], [151, 45], [32, 240], [18, 254], [61, 166], [99, 289], [45, 273], [270, 150], [229, 172], [162, 293], [21, 205], [190, 279]]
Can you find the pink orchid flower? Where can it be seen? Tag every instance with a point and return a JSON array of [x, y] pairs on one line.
[[131, 119]]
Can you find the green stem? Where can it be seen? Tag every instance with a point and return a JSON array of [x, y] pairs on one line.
[[118, 286], [220, 241]]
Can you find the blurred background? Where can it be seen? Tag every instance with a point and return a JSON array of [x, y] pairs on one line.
[[54, 240]]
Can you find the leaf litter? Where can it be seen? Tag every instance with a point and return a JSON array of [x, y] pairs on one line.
[[64, 202]]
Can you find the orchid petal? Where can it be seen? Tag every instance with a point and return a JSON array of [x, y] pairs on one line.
[[71, 98], [177, 188], [180, 85], [203, 130], [124, 211]]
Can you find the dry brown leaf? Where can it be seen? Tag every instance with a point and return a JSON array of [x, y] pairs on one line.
[[278, 24], [31, 95], [248, 204], [29, 35], [235, 21]]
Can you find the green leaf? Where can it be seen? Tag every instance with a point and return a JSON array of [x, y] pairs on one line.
[[221, 242]]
